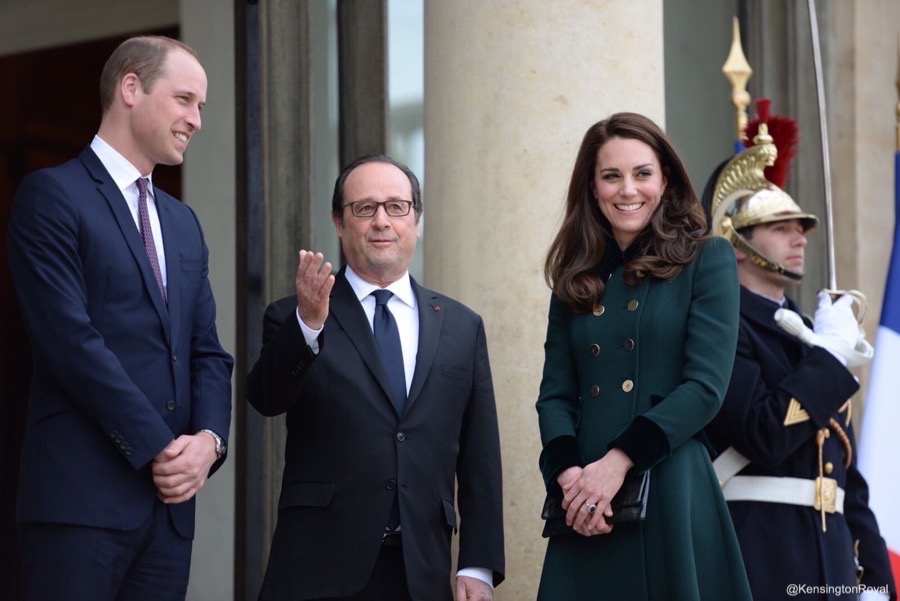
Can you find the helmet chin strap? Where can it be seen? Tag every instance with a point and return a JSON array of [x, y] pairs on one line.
[[742, 244]]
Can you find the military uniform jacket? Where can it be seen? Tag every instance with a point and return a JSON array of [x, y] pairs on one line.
[[645, 372], [784, 544]]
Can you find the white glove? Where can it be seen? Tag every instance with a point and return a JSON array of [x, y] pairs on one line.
[[836, 330], [835, 325]]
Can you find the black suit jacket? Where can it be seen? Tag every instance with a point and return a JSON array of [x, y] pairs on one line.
[[784, 544], [118, 373], [348, 452]]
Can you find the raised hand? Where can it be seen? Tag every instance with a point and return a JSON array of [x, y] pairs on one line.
[[313, 284]]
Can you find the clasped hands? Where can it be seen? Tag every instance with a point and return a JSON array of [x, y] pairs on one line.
[[595, 484], [180, 470]]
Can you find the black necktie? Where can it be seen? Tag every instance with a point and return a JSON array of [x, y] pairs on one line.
[[387, 338]]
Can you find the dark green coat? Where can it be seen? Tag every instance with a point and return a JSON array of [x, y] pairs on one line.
[[666, 350]]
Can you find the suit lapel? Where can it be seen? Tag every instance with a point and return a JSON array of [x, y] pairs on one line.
[[431, 319], [350, 316], [173, 265], [119, 207]]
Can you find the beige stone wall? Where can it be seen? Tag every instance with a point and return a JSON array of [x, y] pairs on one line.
[[510, 88], [872, 74]]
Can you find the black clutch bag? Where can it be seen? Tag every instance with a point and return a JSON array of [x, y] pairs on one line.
[[629, 505]]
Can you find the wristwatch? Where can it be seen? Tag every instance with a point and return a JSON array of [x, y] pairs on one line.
[[220, 444]]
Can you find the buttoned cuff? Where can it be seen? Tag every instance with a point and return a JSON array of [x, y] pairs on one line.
[[558, 455], [644, 442]]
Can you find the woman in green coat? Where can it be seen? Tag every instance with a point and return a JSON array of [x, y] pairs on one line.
[[640, 344]]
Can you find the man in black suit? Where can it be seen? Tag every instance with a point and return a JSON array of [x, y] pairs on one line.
[[130, 401], [374, 443]]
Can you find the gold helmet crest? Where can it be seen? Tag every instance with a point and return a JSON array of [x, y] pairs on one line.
[[743, 197]]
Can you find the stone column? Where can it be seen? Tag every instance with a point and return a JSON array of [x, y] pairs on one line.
[[510, 89]]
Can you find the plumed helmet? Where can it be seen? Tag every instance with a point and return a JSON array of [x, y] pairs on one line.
[[744, 197]]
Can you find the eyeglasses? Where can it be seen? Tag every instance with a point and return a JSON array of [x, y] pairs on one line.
[[368, 208]]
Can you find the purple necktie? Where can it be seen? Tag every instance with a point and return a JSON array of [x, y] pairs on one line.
[[147, 233]]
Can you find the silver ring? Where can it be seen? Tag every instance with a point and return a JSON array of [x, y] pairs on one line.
[[591, 507]]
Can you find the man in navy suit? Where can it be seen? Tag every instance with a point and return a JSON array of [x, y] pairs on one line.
[[130, 401], [367, 501]]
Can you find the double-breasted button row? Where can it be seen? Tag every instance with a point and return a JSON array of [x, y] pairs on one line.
[[627, 386], [600, 309], [594, 349]]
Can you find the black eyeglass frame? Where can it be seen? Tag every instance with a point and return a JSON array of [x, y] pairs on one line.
[[401, 203]]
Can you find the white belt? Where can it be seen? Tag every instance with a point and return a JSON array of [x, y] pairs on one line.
[[769, 489]]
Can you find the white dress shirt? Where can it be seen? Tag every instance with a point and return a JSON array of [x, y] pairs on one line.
[[125, 176]]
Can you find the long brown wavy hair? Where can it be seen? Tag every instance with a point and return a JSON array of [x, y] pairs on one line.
[[663, 249]]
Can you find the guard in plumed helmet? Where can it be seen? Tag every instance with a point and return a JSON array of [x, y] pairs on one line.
[[784, 436]]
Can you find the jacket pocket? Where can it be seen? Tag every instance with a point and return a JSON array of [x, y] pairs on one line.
[[449, 513], [456, 371], [306, 494], [191, 264]]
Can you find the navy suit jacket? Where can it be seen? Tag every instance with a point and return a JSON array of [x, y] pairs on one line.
[[118, 372], [348, 452]]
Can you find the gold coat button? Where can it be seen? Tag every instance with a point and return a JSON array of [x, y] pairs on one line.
[[599, 309], [594, 350], [595, 391], [632, 304], [627, 385], [829, 467]]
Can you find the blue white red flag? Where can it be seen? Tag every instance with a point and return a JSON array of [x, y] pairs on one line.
[[877, 459]]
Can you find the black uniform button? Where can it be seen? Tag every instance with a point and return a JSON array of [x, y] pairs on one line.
[[594, 350], [391, 485], [629, 344], [295, 372], [401, 436], [595, 391], [170, 405]]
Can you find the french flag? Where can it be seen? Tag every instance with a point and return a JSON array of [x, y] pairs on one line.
[[881, 423]]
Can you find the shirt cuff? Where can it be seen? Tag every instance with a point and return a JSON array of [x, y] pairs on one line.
[[311, 336], [483, 574]]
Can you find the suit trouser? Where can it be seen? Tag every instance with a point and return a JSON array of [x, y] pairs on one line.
[[388, 581], [63, 562]]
